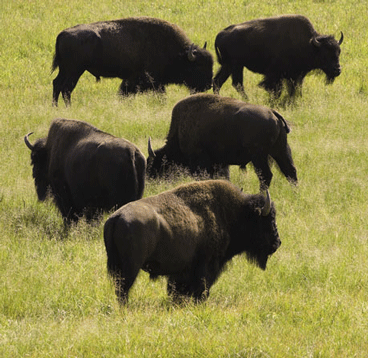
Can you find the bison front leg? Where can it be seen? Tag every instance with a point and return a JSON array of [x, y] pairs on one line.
[[273, 85], [294, 87], [178, 289]]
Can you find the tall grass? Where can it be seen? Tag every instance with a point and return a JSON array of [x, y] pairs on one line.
[[56, 299]]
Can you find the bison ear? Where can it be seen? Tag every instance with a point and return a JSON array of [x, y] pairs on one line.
[[192, 53], [267, 206], [151, 153]]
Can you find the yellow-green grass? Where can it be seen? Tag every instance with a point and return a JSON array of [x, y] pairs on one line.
[[56, 299]]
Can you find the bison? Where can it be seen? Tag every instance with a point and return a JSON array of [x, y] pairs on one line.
[[85, 170], [280, 48], [146, 53], [209, 132], [188, 234]]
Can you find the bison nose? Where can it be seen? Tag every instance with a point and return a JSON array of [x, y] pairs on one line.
[[337, 71]]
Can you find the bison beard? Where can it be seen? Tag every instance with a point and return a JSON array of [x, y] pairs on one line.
[[188, 234]]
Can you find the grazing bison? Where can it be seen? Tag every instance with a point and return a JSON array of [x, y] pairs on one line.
[[189, 234], [146, 53], [209, 132], [280, 48], [86, 170]]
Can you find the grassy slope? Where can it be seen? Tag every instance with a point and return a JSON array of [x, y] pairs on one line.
[[56, 299]]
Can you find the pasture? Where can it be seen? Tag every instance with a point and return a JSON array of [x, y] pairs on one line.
[[56, 299]]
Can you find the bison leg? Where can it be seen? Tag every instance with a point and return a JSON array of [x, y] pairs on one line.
[[69, 87], [273, 85], [222, 75], [294, 87], [237, 76], [65, 83], [221, 171], [285, 162], [263, 171], [122, 271], [180, 290], [58, 85]]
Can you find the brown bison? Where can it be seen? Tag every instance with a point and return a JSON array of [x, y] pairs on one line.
[[209, 132], [146, 53], [188, 234], [86, 170], [280, 48]]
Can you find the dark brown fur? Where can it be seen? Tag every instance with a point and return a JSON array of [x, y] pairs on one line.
[[86, 170], [146, 53], [281, 48], [210, 132], [188, 234]]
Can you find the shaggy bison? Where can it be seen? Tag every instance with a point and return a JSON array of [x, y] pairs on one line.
[[280, 48], [86, 170], [209, 132], [146, 53], [188, 234]]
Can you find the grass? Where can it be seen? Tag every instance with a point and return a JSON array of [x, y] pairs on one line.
[[56, 299]]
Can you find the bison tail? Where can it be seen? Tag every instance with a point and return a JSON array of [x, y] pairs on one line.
[[218, 54], [55, 64], [283, 120], [56, 59], [113, 258]]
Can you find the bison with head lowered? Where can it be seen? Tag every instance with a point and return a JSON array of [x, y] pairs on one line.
[[209, 133], [86, 170], [280, 48], [146, 53], [188, 234]]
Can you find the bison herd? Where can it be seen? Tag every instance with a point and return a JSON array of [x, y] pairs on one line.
[[187, 234]]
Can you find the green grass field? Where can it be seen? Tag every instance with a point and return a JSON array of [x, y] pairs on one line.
[[56, 299]]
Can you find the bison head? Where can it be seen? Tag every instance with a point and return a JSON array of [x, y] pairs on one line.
[[265, 238], [198, 70], [39, 160], [164, 161], [328, 52]]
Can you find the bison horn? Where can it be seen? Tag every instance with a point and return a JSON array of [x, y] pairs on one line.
[[341, 38], [151, 153], [191, 53], [267, 207], [315, 42], [28, 144], [205, 45]]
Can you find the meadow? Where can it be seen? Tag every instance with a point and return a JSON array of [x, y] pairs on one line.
[[56, 299]]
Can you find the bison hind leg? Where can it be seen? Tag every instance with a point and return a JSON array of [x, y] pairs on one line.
[[263, 171]]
